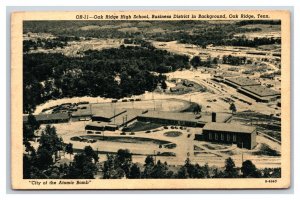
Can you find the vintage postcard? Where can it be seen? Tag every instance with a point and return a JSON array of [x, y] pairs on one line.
[[150, 99]]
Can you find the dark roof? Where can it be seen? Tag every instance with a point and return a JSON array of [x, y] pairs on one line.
[[48, 117], [226, 74], [108, 112], [181, 116], [242, 81], [261, 90], [229, 127], [130, 115]]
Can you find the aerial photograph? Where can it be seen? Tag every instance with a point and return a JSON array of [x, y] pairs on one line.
[[151, 99]]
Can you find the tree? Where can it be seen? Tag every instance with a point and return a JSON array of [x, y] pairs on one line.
[[164, 85], [160, 170], [69, 149], [89, 152], [206, 171], [182, 173], [149, 161], [218, 173], [44, 158], [82, 167], [189, 167], [124, 160], [50, 141], [112, 169], [33, 122], [30, 127], [249, 170], [230, 169], [232, 108], [271, 173], [135, 172], [195, 61], [119, 165], [197, 109], [28, 148]]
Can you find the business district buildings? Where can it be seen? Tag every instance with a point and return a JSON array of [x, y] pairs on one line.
[[249, 87], [216, 127]]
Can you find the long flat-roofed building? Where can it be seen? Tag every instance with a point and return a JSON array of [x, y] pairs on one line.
[[183, 119], [113, 120], [50, 118], [238, 82], [100, 126], [253, 89], [107, 114], [220, 77], [260, 93], [230, 133]]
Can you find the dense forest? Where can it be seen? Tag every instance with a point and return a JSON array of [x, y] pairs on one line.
[[114, 73]]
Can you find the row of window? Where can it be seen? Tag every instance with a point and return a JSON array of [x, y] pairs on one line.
[[222, 136]]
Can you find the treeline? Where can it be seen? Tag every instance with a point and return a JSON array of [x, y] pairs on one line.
[[112, 73], [241, 41], [219, 38], [196, 61], [46, 43], [270, 22], [234, 60]]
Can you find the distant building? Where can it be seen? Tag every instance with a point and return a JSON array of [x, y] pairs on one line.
[[238, 82], [229, 133], [83, 112], [177, 89], [183, 119], [50, 118], [107, 115], [253, 89], [260, 93], [100, 126], [110, 120], [220, 77]]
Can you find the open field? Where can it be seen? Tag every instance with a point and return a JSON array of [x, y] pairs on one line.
[[76, 48], [267, 31]]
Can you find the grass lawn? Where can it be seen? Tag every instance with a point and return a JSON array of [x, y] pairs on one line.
[[173, 134]]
